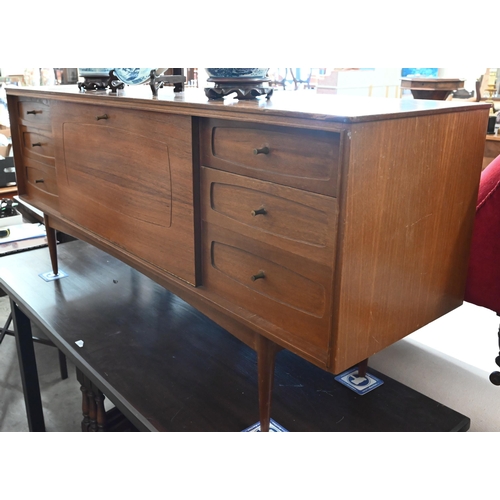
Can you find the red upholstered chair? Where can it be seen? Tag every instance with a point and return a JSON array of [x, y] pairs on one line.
[[483, 279]]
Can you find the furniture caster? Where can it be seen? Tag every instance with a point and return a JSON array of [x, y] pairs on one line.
[[495, 378]]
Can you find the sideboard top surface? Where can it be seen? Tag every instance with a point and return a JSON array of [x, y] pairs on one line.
[[302, 105]]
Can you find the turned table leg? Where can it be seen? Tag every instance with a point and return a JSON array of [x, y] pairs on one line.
[[85, 410], [100, 412], [94, 414], [52, 242], [266, 356]]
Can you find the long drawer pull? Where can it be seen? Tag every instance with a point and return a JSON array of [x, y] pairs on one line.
[[101, 117], [32, 112], [261, 151], [258, 276], [39, 144], [259, 211], [38, 181]]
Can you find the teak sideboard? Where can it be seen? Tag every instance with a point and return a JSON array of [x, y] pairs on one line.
[[329, 226]]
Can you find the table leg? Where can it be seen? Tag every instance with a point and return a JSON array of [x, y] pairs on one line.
[[94, 414], [63, 366], [27, 365], [101, 413], [52, 242], [266, 356], [85, 410], [92, 411]]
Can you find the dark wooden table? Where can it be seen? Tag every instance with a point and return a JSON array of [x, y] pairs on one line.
[[167, 367]]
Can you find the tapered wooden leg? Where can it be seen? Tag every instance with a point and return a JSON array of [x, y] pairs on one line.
[[362, 367], [52, 242], [266, 356]]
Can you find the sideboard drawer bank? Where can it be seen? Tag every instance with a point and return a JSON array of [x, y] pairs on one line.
[[325, 225]]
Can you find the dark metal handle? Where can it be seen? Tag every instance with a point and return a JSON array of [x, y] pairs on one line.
[[101, 117], [258, 276], [259, 211], [38, 181], [32, 112], [261, 151], [36, 144]]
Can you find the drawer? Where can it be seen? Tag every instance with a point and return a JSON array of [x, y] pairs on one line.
[[38, 144], [296, 221], [284, 290], [306, 159], [35, 112], [41, 183]]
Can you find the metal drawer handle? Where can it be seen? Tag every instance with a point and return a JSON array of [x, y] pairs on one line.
[[259, 211], [38, 181], [32, 112], [36, 144], [261, 151], [101, 117], [258, 276]]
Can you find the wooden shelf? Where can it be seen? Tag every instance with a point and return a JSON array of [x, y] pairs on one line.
[[8, 192]]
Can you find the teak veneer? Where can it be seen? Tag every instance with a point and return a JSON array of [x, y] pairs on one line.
[[326, 225]]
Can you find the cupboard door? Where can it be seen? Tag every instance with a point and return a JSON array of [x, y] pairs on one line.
[[127, 176]]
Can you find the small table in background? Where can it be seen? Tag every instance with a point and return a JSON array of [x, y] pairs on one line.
[[8, 192], [491, 149], [431, 88]]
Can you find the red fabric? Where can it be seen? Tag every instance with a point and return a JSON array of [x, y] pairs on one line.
[[483, 279]]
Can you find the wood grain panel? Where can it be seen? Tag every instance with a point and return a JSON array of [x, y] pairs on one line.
[[294, 296], [128, 185], [110, 164], [276, 283], [38, 144], [406, 227], [35, 112], [41, 183], [297, 221], [307, 159]]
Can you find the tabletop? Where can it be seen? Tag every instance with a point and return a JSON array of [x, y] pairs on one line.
[[169, 368]]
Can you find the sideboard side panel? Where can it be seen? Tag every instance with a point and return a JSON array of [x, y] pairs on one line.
[[406, 220]]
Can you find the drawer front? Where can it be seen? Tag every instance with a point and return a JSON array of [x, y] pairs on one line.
[[38, 144], [284, 290], [131, 171], [36, 112], [41, 183], [296, 221], [306, 159]]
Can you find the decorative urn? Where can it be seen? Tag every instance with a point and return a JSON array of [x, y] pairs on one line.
[[247, 83]]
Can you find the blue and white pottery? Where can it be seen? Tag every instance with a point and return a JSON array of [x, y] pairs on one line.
[[94, 72], [136, 76], [243, 73]]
